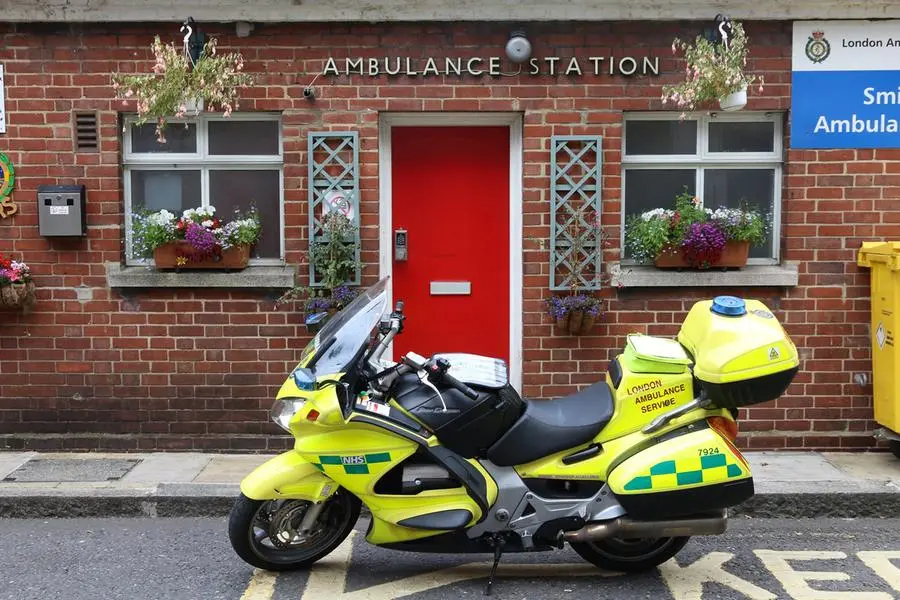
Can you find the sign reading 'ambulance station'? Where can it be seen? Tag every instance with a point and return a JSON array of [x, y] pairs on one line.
[[477, 66], [846, 84]]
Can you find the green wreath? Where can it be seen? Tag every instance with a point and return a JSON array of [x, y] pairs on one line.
[[9, 176]]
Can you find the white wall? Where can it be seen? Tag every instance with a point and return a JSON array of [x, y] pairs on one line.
[[436, 10]]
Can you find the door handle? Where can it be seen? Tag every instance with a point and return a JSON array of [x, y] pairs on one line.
[[451, 288]]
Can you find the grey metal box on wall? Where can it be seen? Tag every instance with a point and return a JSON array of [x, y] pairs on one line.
[[61, 210]]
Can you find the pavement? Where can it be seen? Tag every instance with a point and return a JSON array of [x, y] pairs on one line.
[[46, 485]]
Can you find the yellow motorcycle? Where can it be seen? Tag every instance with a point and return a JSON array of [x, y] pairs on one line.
[[449, 458]]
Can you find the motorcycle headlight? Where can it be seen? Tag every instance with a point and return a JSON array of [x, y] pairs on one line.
[[284, 410]]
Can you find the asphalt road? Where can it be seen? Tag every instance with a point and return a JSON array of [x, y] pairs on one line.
[[136, 559]]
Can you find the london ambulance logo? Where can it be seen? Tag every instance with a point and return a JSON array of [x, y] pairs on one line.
[[817, 48]]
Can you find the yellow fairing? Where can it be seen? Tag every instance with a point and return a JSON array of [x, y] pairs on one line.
[[691, 460], [287, 475], [598, 467], [649, 386], [728, 349]]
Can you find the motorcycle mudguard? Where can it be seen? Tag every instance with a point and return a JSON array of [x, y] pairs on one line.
[[288, 475], [687, 474]]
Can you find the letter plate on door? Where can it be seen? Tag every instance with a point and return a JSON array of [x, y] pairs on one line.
[[451, 288]]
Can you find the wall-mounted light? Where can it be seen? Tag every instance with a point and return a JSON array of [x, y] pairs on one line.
[[518, 48]]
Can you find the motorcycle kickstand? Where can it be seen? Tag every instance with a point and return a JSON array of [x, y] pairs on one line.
[[498, 552]]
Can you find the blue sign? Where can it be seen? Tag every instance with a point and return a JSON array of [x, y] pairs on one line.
[[845, 85]]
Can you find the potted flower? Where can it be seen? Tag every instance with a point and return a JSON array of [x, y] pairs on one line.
[[692, 236], [334, 259], [196, 240], [179, 86], [714, 71], [16, 284], [575, 313]]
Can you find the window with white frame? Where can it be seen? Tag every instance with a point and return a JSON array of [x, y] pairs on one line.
[[730, 160], [231, 163]]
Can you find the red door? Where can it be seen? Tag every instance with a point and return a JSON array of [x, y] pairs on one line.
[[451, 195]]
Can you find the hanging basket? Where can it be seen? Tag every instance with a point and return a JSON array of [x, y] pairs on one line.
[[16, 296], [734, 101], [167, 255]]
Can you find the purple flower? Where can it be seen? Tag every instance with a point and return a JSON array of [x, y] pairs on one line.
[[203, 240], [703, 244]]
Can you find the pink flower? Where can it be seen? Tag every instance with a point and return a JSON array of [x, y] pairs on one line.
[[129, 93]]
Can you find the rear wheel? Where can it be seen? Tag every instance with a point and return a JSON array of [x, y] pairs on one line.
[[630, 555], [895, 448], [268, 533]]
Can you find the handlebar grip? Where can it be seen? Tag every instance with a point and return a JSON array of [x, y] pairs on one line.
[[454, 382], [399, 306]]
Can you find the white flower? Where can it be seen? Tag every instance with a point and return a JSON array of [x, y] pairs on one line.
[[210, 210], [207, 223]]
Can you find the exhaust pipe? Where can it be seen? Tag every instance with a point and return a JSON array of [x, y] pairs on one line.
[[713, 524]]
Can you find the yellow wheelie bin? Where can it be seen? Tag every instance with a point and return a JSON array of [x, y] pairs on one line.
[[883, 258]]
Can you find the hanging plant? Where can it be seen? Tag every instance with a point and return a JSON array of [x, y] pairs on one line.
[[714, 70], [178, 84]]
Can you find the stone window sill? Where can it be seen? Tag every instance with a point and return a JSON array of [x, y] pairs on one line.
[[635, 276], [119, 276]]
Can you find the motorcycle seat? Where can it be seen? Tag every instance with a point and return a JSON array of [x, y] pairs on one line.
[[548, 426]]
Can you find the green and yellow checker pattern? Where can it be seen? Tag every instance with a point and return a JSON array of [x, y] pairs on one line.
[[357, 464], [671, 474]]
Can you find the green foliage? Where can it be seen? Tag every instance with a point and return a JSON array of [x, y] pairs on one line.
[[175, 82], [712, 71], [648, 234], [333, 254], [150, 229]]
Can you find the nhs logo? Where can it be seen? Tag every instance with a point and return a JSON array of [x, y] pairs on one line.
[[845, 84]]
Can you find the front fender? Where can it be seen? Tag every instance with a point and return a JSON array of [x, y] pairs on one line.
[[288, 475]]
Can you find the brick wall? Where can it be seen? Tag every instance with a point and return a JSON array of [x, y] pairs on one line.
[[91, 367]]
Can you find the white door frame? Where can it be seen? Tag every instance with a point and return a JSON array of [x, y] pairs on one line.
[[387, 121]]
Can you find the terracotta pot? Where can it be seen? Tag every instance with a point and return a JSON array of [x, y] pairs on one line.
[[166, 257], [575, 319], [733, 255]]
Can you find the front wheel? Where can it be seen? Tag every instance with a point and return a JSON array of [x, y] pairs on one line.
[[630, 555], [268, 533]]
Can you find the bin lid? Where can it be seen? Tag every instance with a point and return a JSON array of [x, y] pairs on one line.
[[886, 253]]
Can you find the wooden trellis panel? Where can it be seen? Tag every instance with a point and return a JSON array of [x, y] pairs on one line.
[[575, 205], [333, 173]]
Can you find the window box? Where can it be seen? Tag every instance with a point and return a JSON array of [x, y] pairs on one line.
[[170, 256], [734, 255]]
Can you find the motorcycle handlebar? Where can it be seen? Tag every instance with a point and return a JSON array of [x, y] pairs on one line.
[[454, 382]]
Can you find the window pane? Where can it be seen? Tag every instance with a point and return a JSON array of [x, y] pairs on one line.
[[736, 188], [239, 189], [181, 138], [171, 190], [660, 137], [646, 189], [741, 136], [243, 137]]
